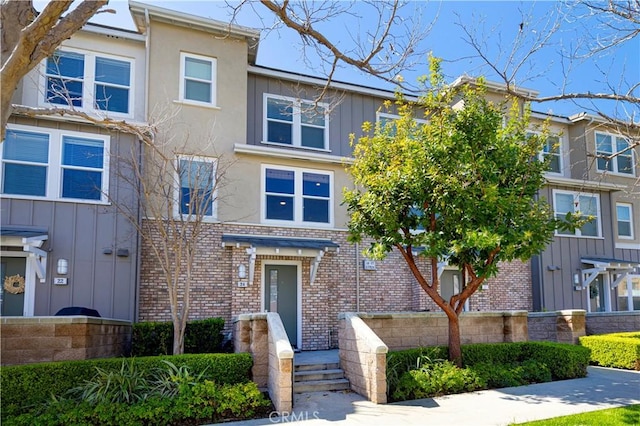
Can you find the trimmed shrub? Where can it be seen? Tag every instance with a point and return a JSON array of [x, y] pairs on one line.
[[34, 384], [565, 361], [507, 375], [156, 338], [618, 350], [495, 365]]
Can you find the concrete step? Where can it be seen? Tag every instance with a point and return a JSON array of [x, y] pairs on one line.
[[315, 375], [311, 367], [321, 385]]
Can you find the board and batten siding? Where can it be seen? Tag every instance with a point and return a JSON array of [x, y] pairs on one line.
[[347, 110], [556, 287], [80, 233]]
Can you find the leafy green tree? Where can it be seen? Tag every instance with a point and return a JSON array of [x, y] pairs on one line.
[[462, 187]]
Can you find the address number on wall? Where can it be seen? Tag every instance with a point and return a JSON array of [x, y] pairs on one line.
[[60, 281]]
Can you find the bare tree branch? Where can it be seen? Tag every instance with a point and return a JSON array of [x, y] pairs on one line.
[[28, 40]]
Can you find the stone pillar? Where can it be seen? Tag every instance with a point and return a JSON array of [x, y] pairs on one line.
[[515, 326], [570, 325], [242, 333]]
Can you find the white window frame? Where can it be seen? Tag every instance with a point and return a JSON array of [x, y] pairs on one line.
[[213, 81], [89, 84], [54, 165], [298, 197], [631, 224], [614, 146], [578, 233], [177, 211], [380, 115], [296, 123], [542, 155]]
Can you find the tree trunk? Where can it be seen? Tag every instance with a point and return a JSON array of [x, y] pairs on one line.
[[455, 349], [178, 337]]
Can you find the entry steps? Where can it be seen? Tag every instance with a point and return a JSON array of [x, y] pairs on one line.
[[319, 377]]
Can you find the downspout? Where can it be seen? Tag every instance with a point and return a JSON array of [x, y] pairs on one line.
[[357, 277], [136, 314]]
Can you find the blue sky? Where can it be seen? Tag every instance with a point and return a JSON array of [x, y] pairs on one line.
[[498, 23]]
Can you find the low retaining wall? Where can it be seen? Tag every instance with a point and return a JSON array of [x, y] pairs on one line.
[[364, 340], [264, 337], [26, 340], [612, 322], [408, 330], [558, 326], [280, 380], [363, 357]]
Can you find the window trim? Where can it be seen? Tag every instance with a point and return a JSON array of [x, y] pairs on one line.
[[614, 147], [296, 123], [380, 115], [298, 197], [89, 82], [631, 224], [177, 187], [214, 78], [578, 233], [560, 152], [55, 167]]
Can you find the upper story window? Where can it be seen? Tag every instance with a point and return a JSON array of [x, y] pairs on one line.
[[588, 205], [294, 122], [624, 214], [198, 79], [54, 164], [297, 196], [89, 81], [385, 118], [197, 180], [622, 162], [552, 153]]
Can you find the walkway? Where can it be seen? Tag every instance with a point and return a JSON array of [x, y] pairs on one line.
[[603, 388]]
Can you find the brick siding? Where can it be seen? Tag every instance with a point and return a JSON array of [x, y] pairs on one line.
[[391, 287]]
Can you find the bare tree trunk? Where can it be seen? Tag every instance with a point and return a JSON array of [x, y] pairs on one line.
[[178, 337]]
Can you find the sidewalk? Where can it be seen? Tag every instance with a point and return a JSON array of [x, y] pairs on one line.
[[602, 388]]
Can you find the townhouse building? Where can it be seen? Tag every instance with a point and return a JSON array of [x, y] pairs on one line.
[[275, 234]]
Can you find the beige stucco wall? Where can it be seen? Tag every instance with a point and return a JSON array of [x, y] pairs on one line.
[[206, 130], [241, 199]]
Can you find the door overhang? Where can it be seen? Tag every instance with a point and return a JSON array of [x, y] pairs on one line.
[[618, 270], [30, 240], [278, 246]]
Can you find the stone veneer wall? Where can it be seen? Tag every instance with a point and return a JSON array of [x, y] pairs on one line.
[[264, 337], [251, 335], [407, 330], [612, 322], [559, 326], [391, 287], [365, 339], [363, 358], [26, 340], [280, 381]]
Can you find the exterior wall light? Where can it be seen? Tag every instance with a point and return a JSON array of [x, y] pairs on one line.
[[63, 266], [242, 271]]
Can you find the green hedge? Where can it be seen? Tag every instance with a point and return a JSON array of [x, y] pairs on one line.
[[487, 365], [203, 403], [25, 386], [618, 350], [156, 338]]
